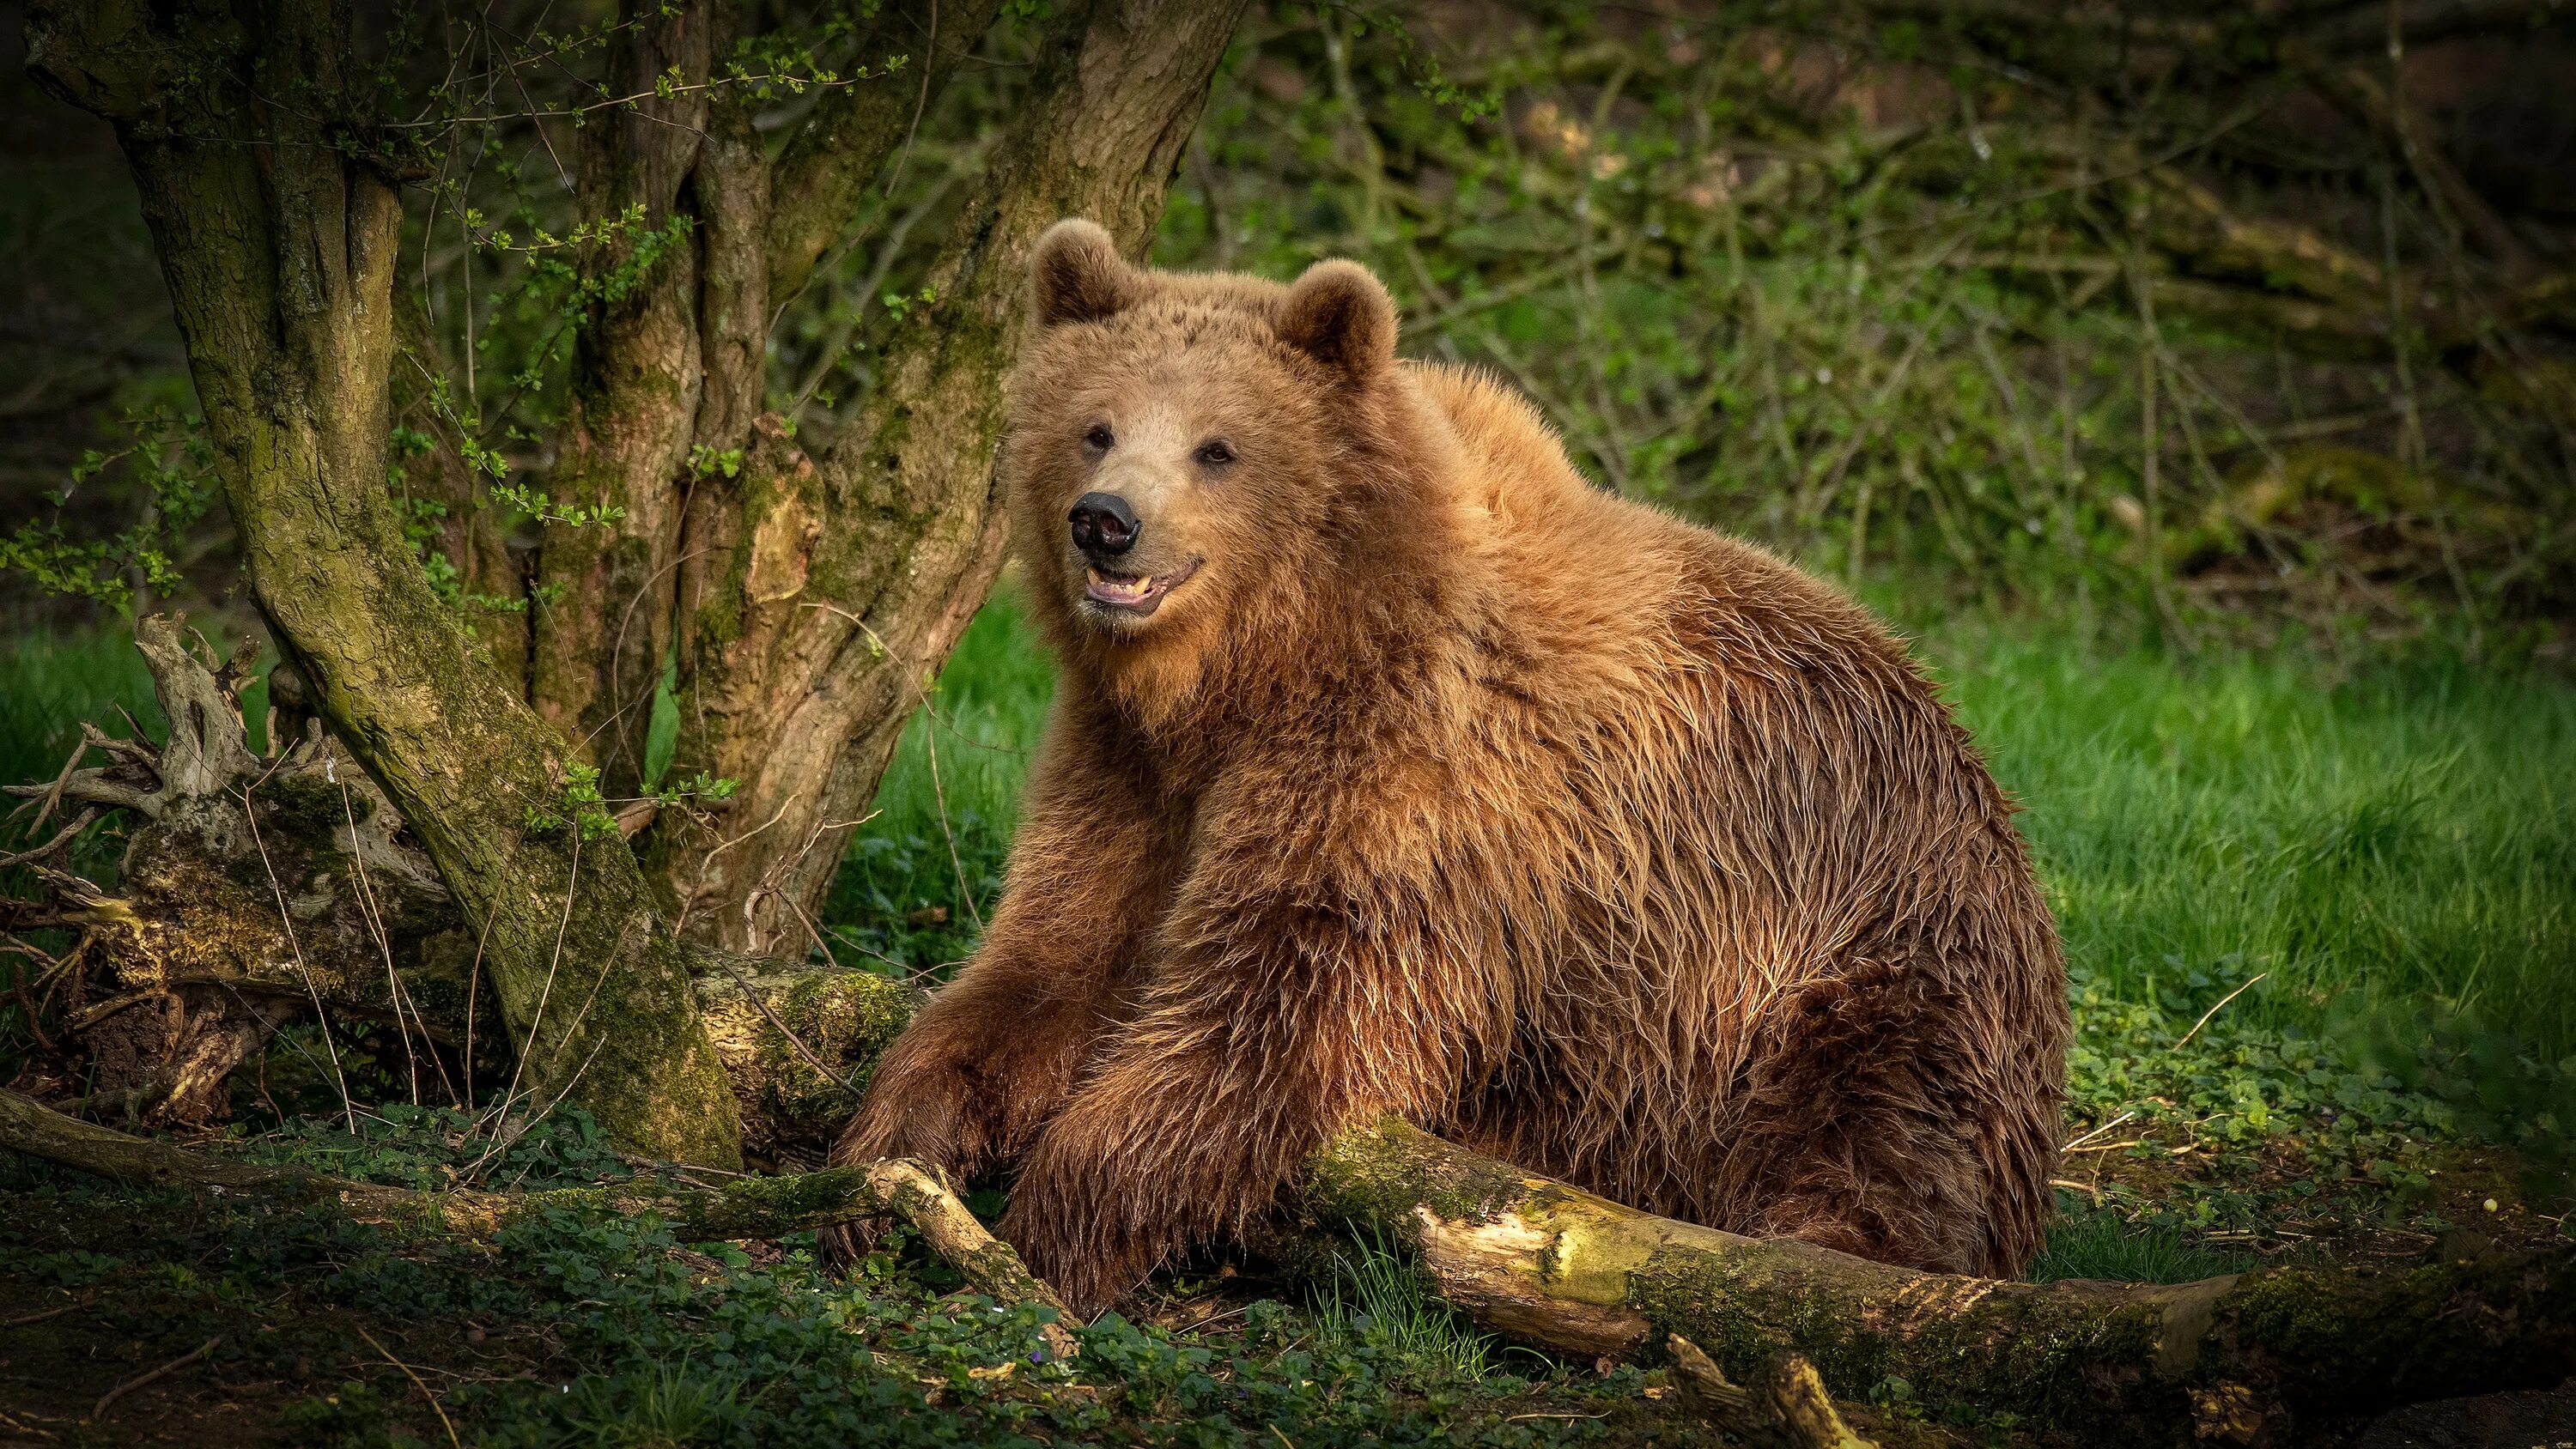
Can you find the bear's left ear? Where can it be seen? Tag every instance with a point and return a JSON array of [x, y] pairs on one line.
[[1340, 315]]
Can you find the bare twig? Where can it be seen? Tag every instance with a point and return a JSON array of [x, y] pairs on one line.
[[99, 1410], [434, 1406], [2222, 1005], [60, 839], [756, 999], [286, 918], [23, 1319]]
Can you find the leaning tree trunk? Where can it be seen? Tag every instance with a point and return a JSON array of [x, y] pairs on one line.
[[278, 234], [818, 595], [807, 596]]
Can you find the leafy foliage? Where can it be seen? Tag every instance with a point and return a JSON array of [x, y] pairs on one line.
[[170, 467]]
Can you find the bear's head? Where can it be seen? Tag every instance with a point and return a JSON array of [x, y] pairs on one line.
[[1184, 450]]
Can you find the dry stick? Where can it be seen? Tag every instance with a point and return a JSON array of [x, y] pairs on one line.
[[473, 989], [44, 802], [61, 839], [2098, 1131], [23, 1319], [2222, 1003], [286, 918], [99, 1409], [375, 926], [27, 1006], [756, 999], [434, 1406], [930, 746], [545, 993], [720, 848], [625, 933], [625, 620], [930, 743]]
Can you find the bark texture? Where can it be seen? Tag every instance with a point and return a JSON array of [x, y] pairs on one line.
[[278, 237], [818, 592]]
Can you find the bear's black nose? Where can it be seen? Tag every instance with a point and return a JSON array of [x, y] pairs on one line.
[[1103, 525]]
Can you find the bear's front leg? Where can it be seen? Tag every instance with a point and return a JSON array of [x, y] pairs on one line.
[[1280, 1028], [991, 1057]]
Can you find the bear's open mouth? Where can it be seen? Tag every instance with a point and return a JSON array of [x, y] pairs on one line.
[[1137, 594]]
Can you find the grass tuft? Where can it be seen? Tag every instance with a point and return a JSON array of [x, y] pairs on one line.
[[2101, 1245], [1378, 1299]]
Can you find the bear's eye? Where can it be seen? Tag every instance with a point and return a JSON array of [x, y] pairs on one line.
[[1215, 453], [1100, 438]]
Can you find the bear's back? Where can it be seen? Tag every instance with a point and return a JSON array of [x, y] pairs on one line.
[[1757, 815]]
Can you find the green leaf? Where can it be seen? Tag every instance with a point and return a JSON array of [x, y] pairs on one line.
[[662, 735]]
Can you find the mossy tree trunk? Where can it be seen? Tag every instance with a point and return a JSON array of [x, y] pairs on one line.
[[279, 234], [805, 597]]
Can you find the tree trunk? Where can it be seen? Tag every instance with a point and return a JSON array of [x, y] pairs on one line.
[[806, 597], [818, 595], [280, 247]]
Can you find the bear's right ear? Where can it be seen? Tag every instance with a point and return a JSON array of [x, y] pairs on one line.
[[1076, 275], [1339, 313]]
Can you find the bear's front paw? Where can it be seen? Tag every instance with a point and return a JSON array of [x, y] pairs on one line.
[[1084, 1245], [918, 1114]]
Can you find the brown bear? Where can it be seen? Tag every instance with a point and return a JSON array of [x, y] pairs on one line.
[[1396, 769]]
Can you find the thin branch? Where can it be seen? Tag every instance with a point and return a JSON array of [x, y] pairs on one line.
[[99, 1410]]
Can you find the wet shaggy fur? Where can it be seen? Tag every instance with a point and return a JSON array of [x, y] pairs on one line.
[[1451, 787]]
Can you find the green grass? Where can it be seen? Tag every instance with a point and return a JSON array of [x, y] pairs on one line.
[[2388, 843], [49, 683], [1378, 1298], [2101, 1245]]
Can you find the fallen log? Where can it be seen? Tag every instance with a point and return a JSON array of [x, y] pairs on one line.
[[1554, 1266], [1550, 1265]]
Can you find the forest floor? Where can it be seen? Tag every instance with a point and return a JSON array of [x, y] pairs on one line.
[[2320, 909]]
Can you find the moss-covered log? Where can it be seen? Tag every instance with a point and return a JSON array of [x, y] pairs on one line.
[[1552, 1265]]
